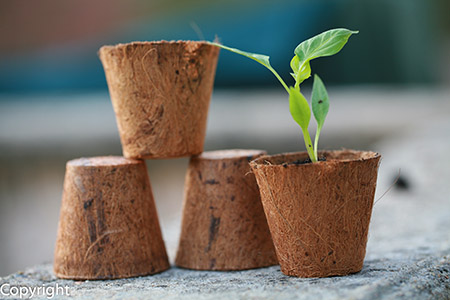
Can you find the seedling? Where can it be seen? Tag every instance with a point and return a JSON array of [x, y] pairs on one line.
[[325, 44]]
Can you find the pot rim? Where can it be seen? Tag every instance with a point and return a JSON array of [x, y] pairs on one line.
[[230, 154], [103, 161], [153, 43], [333, 157]]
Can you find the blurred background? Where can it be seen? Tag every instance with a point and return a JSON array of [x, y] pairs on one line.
[[54, 103]]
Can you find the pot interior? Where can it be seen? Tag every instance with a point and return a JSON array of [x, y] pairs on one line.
[[299, 158]]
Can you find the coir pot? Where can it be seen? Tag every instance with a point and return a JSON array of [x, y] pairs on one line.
[[318, 213], [160, 93]]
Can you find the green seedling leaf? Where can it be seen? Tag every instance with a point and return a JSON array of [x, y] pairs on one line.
[[301, 113], [320, 104], [293, 75], [260, 58], [305, 73], [300, 72], [325, 44], [295, 64], [319, 101], [299, 108]]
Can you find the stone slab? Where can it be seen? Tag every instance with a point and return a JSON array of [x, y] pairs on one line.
[[411, 277]]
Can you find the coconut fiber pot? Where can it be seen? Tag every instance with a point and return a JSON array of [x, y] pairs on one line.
[[160, 93], [108, 225], [318, 213], [223, 226]]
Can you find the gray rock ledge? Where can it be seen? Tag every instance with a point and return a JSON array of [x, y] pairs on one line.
[[412, 277]]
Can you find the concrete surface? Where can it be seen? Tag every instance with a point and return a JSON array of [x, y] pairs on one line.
[[413, 277]]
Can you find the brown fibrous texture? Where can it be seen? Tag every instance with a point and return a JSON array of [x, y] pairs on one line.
[[108, 226], [318, 213], [223, 225], [160, 93]]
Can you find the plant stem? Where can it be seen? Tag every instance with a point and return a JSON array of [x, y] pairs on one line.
[[308, 144], [279, 78], [316, 141]]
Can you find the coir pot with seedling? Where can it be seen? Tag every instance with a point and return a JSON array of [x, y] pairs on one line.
[[318, 204]]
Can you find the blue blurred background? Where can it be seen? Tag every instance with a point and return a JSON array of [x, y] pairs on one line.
[[392, 78], [52, 45]]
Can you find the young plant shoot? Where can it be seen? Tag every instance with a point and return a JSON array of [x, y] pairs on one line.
[[325, 44]]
